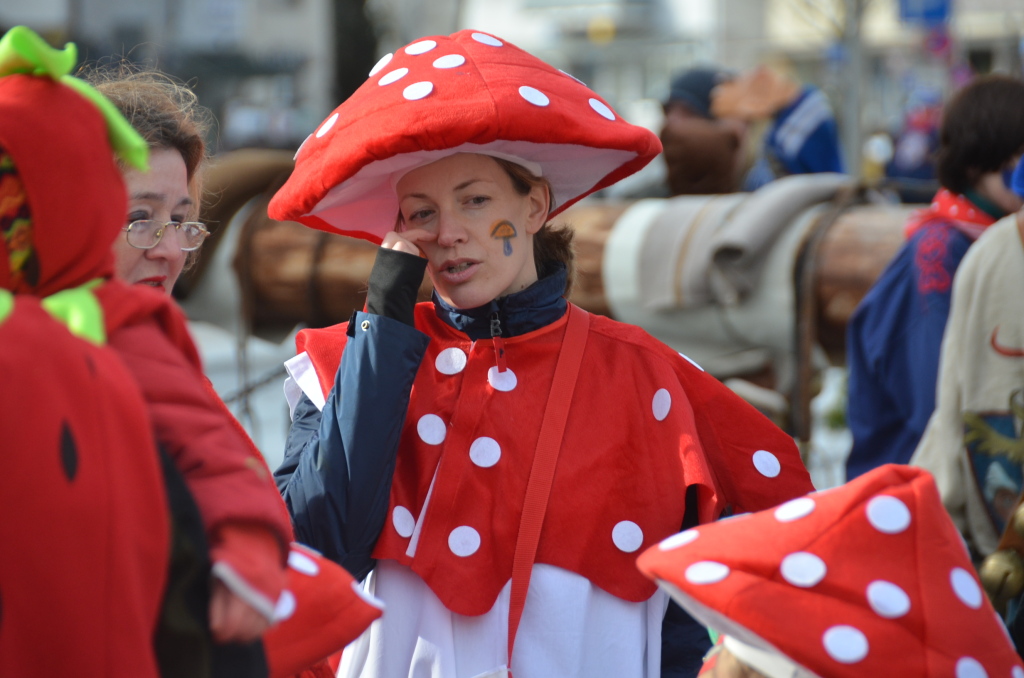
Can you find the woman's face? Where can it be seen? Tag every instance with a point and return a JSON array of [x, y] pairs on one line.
[[162, 195], [484, 229]]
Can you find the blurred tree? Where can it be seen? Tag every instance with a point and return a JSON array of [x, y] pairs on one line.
[[355, 47]]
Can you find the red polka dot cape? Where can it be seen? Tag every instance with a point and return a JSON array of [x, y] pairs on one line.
[[644, 424], [469, 92], [869, 579]]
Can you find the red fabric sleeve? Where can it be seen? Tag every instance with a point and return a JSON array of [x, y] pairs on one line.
[[257, 573], [228, 484]]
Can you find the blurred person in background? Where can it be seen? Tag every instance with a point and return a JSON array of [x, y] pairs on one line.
[[972, 443], [894, 336], [709, 131]]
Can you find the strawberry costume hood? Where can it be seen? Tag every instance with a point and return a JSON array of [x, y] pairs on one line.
[[470, 92], [58, 222], [867, 579]]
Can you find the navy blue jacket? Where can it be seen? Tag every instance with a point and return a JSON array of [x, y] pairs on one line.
[[893, 345]]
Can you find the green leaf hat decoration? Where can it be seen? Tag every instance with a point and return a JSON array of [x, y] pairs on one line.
[[22, 51]]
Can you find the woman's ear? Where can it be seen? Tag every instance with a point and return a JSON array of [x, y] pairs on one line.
[[539, 200]]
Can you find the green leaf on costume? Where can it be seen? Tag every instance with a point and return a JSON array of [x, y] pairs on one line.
[[80, 311], [23, 52], [6, 304]]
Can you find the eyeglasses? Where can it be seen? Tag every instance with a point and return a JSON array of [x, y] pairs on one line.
[[145, 234]]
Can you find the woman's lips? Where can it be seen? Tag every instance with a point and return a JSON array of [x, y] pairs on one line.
[[458, 271], [154, 281]]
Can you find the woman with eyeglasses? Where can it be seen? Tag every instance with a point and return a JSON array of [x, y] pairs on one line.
[[243, 523], [160, 232]]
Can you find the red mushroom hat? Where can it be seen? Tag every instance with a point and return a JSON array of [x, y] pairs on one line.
[[868, 579], [469, 92]]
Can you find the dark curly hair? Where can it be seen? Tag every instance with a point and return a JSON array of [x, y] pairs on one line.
[[982, 130]]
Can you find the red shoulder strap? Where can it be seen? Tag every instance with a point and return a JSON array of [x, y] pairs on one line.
[[538, 488]]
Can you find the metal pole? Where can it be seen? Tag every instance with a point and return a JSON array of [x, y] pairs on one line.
[[853, 76]]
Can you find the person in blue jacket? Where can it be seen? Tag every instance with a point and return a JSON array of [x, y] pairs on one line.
[[419, 429], [894, 336], [707, 129]]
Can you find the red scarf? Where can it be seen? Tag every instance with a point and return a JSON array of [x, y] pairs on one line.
[[956, 210]]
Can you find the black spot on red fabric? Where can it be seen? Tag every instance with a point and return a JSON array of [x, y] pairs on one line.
[[89, 363], [68, 452]]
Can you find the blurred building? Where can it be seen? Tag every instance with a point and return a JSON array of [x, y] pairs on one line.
[[263, 66]]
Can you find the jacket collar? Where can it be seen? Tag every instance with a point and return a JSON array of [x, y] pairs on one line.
[[538, 305]]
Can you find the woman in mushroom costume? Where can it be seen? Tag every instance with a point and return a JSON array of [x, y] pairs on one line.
[[431, 443], [868, 579]]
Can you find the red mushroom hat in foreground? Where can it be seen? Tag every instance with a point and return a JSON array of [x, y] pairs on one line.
[[469, 92], [868, 579]]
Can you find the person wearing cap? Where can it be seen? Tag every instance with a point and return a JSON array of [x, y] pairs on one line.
[[709, 114], [869, 578], [894, 336], [971, 443], [496, 441]]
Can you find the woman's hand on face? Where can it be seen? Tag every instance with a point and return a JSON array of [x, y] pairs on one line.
[[232, 619], [408, 241]]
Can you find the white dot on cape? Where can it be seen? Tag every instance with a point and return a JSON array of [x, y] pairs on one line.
[[285, 607], [706, 572], [449, 61], [464, 541], [627, 536], [1017, 672], [534, 96], [485, 452], [965, 587], [691, 361], [431, 429], [393, 76], [300, 562], [969, 667], [803, 569], [326, 127], [602, 109], [403, 521], [661, 404], [451, 361], [379, 66], [485, 39], [678, 540], [421, 47], [795, 510], [767, 464], [418, 90], [887, 599], [888, 514], [501, 381], [845, 644]]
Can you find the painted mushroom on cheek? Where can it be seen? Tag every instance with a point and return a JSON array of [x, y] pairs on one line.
[[504, 230]]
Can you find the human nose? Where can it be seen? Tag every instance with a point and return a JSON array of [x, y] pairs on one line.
[[451, 230], [169, 246]]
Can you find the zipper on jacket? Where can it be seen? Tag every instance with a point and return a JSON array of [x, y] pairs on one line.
[[499, 344]]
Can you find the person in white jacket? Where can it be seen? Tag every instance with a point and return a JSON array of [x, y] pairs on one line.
[[973, 437]]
